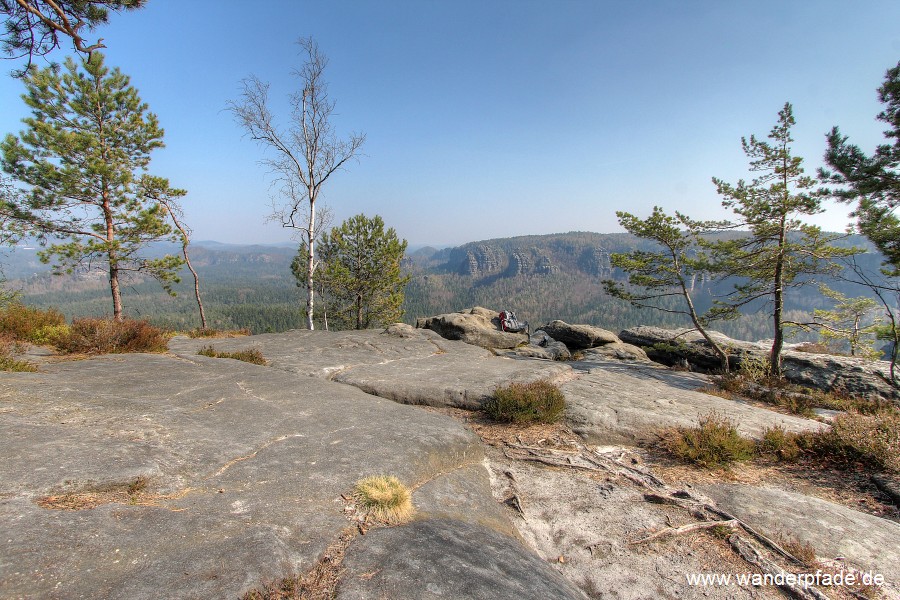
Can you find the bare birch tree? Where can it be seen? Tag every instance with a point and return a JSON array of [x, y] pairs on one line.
[[304, 155]]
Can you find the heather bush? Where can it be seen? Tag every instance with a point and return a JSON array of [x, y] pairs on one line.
[[535, 402], [715, 442], [102, 336]]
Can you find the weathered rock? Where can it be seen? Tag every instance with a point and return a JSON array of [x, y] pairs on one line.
[[618, 350], [443, 558], [867, 542], [412, 366], [579, 337], [541, 345], [244, 466], [478, 326], [613, 402], [821, 371]]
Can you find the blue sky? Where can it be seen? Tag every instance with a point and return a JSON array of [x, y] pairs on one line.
[[496, 118]]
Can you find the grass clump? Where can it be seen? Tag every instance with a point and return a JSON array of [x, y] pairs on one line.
[[385, 498], [107, 336], [535, 402], [251, 355], [208, 332], [22, 322], [715, 442]]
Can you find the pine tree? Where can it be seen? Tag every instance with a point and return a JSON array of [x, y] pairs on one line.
[[84, 157], [668, 272], [359, 265], [872, 181], [781, 251]]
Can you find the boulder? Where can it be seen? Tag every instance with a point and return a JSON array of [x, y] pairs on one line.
[[477, 326], [826, 372], [579, 337], [619, 351]]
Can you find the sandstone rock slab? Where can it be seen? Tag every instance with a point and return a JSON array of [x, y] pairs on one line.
[[412, 366], [613, 402], [244, 468], [444, 558], [867, 542]]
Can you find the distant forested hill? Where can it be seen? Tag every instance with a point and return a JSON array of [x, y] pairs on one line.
[[541, 277]]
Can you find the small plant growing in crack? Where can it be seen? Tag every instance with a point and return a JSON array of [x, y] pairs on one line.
[[385, 498], [252, 355]]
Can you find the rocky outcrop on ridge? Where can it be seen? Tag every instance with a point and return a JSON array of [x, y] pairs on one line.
[[478, 326], [821, 371]]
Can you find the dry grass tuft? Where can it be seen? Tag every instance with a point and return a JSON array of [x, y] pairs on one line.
[[8, 361], [385, 498], [134, 493]]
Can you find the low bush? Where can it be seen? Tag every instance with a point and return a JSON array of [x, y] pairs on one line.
[[535, 402], [107, 336], [21, 322], [872, 440], [385, 498], [252, 355], [8, 362], [715, 442], [779, 444]]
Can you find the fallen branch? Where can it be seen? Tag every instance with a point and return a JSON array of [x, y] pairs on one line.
[[733, 524], [753, 556]]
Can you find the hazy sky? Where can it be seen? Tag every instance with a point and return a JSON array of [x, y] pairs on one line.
[[497, 118]]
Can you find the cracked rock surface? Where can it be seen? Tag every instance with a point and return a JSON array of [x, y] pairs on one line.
[[148, 476], [407, 365]]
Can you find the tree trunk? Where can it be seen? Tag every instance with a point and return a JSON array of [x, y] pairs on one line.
[[196, 286], [778, 296], [310, 264], [114, 288]]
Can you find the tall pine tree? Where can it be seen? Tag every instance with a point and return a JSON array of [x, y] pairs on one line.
[[781, 251], [83, 158]]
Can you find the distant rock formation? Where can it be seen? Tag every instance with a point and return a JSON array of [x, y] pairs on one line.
[[483, 260]]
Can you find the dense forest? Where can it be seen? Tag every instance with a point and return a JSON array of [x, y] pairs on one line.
[[541, 278]]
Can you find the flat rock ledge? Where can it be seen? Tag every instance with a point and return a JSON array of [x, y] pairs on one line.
[[835, 532], [821, 371], [401, 363], [146, 476], [616, 402]]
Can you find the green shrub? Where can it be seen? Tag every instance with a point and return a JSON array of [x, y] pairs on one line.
[[103, 336], [779, 444], [20, 322], [715, 442], [535, 402], [50, 335], [385, 498], [252, 355]]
